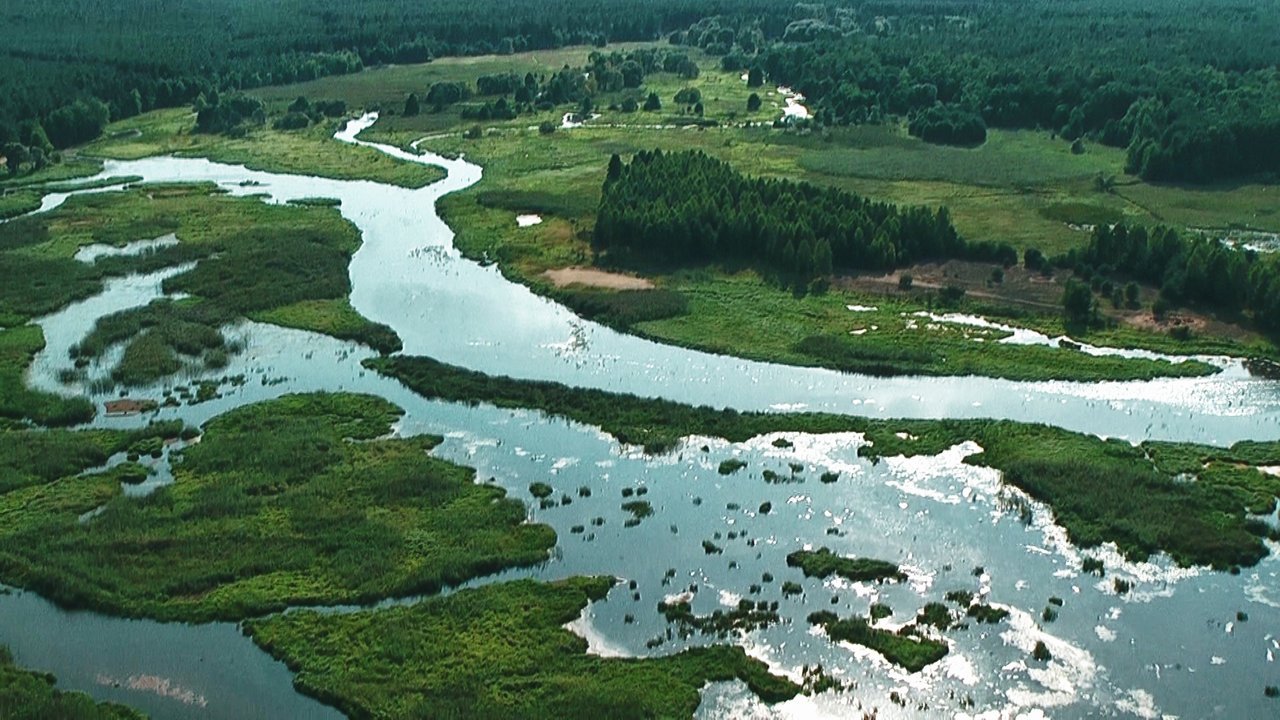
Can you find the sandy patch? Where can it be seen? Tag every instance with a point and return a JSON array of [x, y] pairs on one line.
[[597, 278]]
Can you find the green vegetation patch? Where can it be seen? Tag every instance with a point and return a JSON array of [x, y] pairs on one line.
[[289, 502], [18, 347], [823, 563], [731, 466], [267, 262], [494, 651], [1080, 213], [29, 457], [741, 314], [18, 202], [26, 695], [903, 649], [1100, 491]]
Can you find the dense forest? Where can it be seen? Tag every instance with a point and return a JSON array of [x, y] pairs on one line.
[[688, 207], [1189, 87], [67, 67]]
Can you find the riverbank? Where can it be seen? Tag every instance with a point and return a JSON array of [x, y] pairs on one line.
[[306, 152], [737, 312], [1100, 491]]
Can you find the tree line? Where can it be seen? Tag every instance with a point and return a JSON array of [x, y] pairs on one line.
[[687, 207]]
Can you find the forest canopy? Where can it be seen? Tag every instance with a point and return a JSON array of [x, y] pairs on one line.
[[688, 207], [1188, 87]]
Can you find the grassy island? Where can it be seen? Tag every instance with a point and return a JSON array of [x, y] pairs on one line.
[[912, 652], [822, 563], [496, 651]]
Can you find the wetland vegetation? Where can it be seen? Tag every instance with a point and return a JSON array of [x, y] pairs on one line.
[[278, 264], [911, 651], [822, 563], [496, 651], [949, 164], [319, 510]]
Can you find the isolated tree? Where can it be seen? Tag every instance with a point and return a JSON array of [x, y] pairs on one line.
[[753, 102], [689, 96], [1033, 259], [755, 77], [1131, 294], [652, 103], [412, 106], [1077, 303]]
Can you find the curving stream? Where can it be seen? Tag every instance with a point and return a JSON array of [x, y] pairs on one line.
[[937, 517]]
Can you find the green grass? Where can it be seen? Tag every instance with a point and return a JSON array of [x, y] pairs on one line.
[[823, 563], [18, 202], [743, 315], [290, 502], [26, 695], [71, 169], [90, 184], [335, 318], [495, 651], [307, 152], [911, 652], [1252, 206], [18, 347], [1100, 491]]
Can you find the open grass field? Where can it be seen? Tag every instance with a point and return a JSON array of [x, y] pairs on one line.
[[18, 202], [311, 151], [496, 651]]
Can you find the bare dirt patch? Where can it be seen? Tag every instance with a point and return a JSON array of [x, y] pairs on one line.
[[1031, 290], [592, 277]]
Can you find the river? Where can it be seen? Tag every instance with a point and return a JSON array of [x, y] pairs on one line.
[[935, 516]]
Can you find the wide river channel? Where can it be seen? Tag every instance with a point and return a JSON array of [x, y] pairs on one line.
[[1174, 646]]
